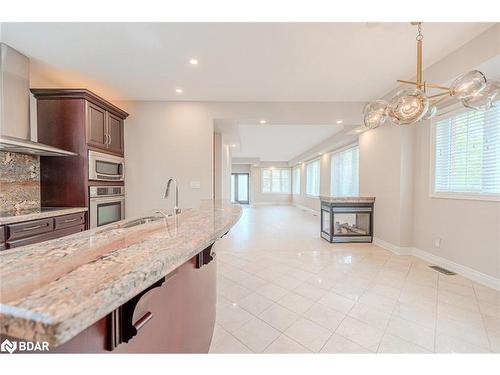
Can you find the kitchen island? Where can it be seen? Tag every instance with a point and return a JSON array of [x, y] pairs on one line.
[[131, 286]]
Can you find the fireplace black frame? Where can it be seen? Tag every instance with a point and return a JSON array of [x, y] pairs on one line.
[[331, 209]]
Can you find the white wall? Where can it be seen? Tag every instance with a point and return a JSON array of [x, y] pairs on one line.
[[163, 140], [469, 229], [386, 173], [310, 202]]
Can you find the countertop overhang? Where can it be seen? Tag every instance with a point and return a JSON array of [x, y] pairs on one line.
[[53, 290], [331, 199]]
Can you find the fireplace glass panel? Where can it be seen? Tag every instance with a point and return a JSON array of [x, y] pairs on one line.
[[326, 221], [351, 224]]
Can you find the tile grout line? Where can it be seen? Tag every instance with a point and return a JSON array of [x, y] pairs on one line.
[[476, 297], [394, 307], [230, 334], [437, 311]]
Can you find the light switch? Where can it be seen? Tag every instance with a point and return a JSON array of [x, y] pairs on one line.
[[195, 184]]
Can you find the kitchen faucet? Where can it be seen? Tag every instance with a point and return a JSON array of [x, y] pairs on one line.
[[177, 210]]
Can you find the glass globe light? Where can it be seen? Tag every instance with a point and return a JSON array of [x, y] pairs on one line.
[[468, 84], [431, 112], [485, 99], [407, 107], [374, 114]]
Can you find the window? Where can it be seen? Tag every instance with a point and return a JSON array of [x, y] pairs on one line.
[[296, 180], [276, 180], [312, 178], [345, 173], [466, 155]]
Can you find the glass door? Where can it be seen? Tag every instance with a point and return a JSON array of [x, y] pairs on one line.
[[240, 187]]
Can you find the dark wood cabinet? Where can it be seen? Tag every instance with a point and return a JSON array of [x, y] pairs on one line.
[[34, 231], [2, 237], [76, 120], [104, 129], [115, 133], [29, 229], [96, 126]]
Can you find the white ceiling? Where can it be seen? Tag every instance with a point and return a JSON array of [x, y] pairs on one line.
[[280, 142], [238, 61]]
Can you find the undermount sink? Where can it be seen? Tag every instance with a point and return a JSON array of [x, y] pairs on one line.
[[142, 220]]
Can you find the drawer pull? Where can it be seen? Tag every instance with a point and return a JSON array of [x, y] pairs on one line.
[[33, 227], [142, 322], [71, 220]]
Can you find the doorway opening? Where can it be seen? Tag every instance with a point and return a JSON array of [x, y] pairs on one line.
[[240, 187]]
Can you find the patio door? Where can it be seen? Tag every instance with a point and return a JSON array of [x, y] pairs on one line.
[[240, 187]]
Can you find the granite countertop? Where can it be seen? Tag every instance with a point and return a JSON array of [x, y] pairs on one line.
[[330, 199], [11, 217], [53, 290]]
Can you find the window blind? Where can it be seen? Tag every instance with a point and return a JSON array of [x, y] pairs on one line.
[[312, 178], [345, 173], [296, 180], [276, 180], [467, 153]]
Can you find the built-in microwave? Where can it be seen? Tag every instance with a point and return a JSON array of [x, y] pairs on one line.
[[105, 167]]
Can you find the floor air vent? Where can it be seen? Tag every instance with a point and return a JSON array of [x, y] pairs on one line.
[[442, 270]]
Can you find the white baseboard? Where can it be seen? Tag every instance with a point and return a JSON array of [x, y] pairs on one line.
[[470, 273], [478, 277], [271, 203], [399, 250], [306, 208]]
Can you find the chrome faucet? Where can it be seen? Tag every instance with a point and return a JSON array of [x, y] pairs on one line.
[[177, 210]]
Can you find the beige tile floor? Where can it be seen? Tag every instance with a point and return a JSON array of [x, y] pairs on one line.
[[281, 289]]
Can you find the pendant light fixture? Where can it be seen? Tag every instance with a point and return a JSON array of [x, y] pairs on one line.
[[412, 105]]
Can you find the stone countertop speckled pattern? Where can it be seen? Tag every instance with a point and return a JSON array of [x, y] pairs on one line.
[[53, 290], [37, 213], [330, 199]]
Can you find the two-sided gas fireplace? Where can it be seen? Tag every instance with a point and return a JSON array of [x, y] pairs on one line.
[[347, 219]]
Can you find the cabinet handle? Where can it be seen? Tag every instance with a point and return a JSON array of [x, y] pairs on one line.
[[33, 227], [70, 220], [142, 321], [109, 135]]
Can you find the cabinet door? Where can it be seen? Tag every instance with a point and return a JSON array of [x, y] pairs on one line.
[[96, 126], [115, 134]]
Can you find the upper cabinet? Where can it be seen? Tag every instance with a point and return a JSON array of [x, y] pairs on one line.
[[102, 122], [96, 126], [115, 133], [104, 129]]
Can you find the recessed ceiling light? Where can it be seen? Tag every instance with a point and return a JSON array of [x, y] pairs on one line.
[[179, 91], [339, 121], [193, 61], [262, 122]]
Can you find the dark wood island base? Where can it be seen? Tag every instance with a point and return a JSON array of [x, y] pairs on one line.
[[175, 315]]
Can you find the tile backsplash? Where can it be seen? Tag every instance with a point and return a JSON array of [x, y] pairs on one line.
[[19, 181]]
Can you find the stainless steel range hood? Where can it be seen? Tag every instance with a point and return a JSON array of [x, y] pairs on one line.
[[15, 130]]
